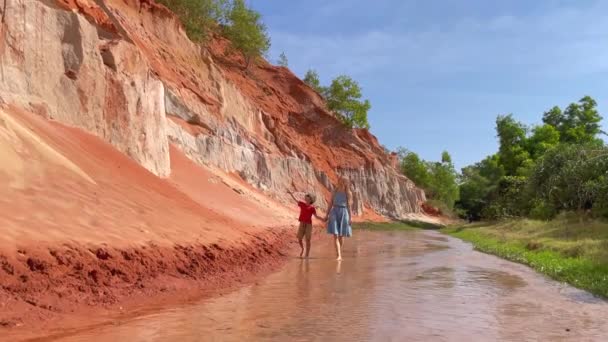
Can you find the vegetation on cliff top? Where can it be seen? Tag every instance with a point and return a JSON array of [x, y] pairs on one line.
[[567, 249], [343, 97], [245, 30], [283, 60], [233, 19], [247, 34], [199, 17]]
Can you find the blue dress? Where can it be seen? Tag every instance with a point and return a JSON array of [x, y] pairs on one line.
[[338, 217]]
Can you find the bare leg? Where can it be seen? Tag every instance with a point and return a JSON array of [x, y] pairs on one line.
[[341, 240], [307, 247], [338, 252], [301, 247]]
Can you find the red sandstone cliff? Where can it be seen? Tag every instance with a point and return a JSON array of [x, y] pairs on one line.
[[122, 142]]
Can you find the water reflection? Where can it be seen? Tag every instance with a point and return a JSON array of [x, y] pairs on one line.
[[414, 286]]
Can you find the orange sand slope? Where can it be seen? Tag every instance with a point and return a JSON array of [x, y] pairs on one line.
[[60, 184]]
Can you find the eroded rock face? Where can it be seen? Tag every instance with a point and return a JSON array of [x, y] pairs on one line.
[[384, 191], [124, 70], [55, 63]]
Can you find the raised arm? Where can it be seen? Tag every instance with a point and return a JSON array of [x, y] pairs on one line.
[[292, 196]]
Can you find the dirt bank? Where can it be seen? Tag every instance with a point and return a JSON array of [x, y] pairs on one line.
[[43, 285], [76, 237]]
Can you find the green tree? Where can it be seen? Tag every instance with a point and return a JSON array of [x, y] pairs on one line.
[[438, 179], [509, 198], [578, 124], [443, 186], [479, 186], [414, 168], [246, 31], [199, 17], [446, 158], [558, 166], [283, 60], [512, 145], [491, 168], [555, 117], [474, 192], [312, 79], [572, 177], [343, 97], [582, 122], [542, 139]]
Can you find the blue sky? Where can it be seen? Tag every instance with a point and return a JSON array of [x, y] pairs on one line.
[[438, 72]]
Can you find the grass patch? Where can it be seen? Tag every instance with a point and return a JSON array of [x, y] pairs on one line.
[[395, 225], [567, 250], [383, 226], [422, 224]]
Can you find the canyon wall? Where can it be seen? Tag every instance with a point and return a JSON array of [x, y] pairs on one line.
[[125, 71]]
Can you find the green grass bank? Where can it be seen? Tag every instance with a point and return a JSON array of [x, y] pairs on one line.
[[395, 225], [567, 249]]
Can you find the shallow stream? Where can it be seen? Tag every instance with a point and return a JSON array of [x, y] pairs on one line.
[[391, 286]]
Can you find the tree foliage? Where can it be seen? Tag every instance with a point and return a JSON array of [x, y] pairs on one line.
[[512, 152], [343, 97], [572, 177], [283, 60], [242, 25], [578, 124], [543, 138], [246, 31], [414, 168], [198, 16], [438, 179], [312, 79], [443, 181], [560, 165]]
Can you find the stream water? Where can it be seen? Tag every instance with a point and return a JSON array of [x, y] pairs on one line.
[[391, 286]]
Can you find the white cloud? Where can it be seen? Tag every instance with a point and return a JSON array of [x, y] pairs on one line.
[[560, 43]]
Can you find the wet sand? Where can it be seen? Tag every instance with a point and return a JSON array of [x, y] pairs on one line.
[[391, 286]]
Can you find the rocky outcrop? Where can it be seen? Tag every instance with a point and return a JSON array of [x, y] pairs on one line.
[[125, 71], [382, 191], [58, 64]]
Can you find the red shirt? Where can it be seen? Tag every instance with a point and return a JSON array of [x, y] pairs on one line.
[[306, 212]]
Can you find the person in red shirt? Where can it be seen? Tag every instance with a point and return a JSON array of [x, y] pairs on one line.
[[307, 211]]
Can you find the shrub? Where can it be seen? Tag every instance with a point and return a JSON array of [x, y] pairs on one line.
[[283, 60], [246, 31], [312, 79], [541, 210], [344, 98], [198, 16]]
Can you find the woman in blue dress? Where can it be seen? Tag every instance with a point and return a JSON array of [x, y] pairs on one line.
[[339, 218]]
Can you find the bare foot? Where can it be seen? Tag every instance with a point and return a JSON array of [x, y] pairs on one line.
[[339, 258], [301, 253]]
